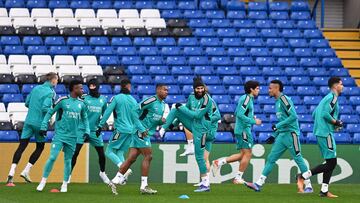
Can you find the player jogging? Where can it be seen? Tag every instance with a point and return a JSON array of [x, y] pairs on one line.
[[70, 111], [244, 121], [285, 137], [326, 123], [151, 116], [39, 101]]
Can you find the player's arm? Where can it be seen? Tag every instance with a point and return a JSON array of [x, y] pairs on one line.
[[85, 119], [135, 117], [290, 111], [216, 116], [197, 114], [103, 109], [50, 113], [47, 103], [241, 109], [27, 101], [328, 108], [110, 108]]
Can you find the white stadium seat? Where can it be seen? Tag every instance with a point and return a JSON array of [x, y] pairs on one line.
[[63, 60], [40, 13], [2, 107], [64, 70], [2, 59], [88, 70], [41, 70], [18, 59], [111, 23], [149, 13], [128, 13], [16, 107], [5, 69], [45, 22], [23, 22], [5, 22], [86, 60], [133, 23], [3, 13], [67, 22], [63, 13], [84, 13], [106, 13], [22, 70], [19, 13], [110, 121], [4, 116], [17, 117], [89, 23], [41, 60], [155, 23]]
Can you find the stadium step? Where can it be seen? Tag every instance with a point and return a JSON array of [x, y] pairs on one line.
[[348, 54], [345, 44], [341, 33], [351, 64]]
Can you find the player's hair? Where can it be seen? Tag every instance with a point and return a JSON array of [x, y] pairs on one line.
[[124, 82], [50, 76], [160, 85], [281, 86], [73, 83], [333, 80], [251, 84]]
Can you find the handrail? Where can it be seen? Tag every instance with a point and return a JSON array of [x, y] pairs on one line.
[[322, 17]]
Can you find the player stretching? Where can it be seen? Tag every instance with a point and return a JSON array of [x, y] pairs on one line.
[[96, 105], [39, 101], [285, 136], [151, 116], [70, 111], [124, 107], [244, 120], [326, 123]]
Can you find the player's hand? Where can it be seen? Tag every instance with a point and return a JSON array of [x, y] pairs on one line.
[[270, 140], [258, 121], [98, 132], [86, 135], [274, 128], [162, 132], [163, 120], [43, 133], [339, 123], [178, 105]]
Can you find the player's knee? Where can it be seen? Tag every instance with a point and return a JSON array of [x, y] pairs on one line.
[[40, 146], [148, 157], [331, 163]]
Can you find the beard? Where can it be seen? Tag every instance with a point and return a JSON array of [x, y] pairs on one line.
[[199, 95]]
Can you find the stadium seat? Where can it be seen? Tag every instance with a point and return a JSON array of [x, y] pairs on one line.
[[174, 137], [226, 137]]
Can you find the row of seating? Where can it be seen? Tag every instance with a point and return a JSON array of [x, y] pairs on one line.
[[186, 4]]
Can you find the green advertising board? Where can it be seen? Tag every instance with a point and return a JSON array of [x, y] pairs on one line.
[[168, 167]]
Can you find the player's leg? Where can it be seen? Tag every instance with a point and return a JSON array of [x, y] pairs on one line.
[[120, 177], [145, 167], [277, 150], [56, 147], [199, 142], [98, 143], [40, 144], [76, 154], [16, 158], [69, 150], [208, 148], [118, 144], [189, 148]]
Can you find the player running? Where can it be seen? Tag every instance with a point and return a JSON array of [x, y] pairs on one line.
[[39, 101], [70, 111], [151, 115], [124, 108], [285, 137], [326, 123], [244, 121], [96, 106]]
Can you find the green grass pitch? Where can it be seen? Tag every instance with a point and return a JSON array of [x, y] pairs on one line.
[[169, 193]]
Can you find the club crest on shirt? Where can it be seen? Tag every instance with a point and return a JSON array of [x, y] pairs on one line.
[[67, 106]]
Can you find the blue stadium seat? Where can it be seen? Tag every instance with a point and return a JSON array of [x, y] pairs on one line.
[[236, 14], [192, 14], [309, 62], [301, 109], [166, 5], [54, 40], [143, 41], [257, 6], [279, 52], [227, 70], [141, 79], [131, 60], [193, 51], [300, 15], [269, 109], [265, 61], [210, 41], [275, 42], [263, 136], [208, 5], [243, 24], [167, 79], [222, 99], [108, 60], [123, 4], [160, 70], [356, 138], [268, 71], [342, 138], [216, 89], [257, 15], [175, 60], [320, 81], [9, 136], [224, 137], [267, 33], [331, 62], [211, 80], [126, 51], [36, 50], [181, 70], [235, 89], [14, 4], [75, 4], [9, 89], [243, 61], [144, 4], [26, 88], [174, 89], [264, 24], [348, 81], [250, 70], [295, 43], [289, 90], [248, 32], [313, 34], [60, 89], [105, 89], [285, 24], [99, 41], [221, 61], [36, 4], [303, 52], [171, 14], [146, 51], [319, 43], [235, 5], [58, 4], [215, 14], [104, 50], [353, 128], [351, 91], [260, 79], [259, 52], [291, 33], [306, 24], [325, 52], [215, 51], [121, 41], [77, 41], [13, 49], [165, 41], [312, 100], [10, 40], [232, 42], [204, 32], [171, 51], [299, 6], [187, 41], [264, 127], [265, 99], [203, 70], [346, 109], [198, 23], [172, 99], [198, 60], [316, 71], [306, 90], [287, 61], [279, 15], [174, 137], [137, 70], [32, 40], [305, 118], [81, 50], [153, 60], [253, 42], [101, 4], [348, 118], [283, 79], [227, 108], [237, 51], [226, 32], [7, 98], [341, 72], [279, 6]]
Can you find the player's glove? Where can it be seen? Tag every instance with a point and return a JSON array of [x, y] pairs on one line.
[[177, 105], [274, 128], [98, 132], [86, 135], [43, 133], [339, 123], [270, 140]]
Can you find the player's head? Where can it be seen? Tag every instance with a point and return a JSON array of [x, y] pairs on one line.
[[76, 88], [336, 85], [199, 87], [94, 86], [125, 86], [52, 78], [252, 87], [275, 88], [162, 91]]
